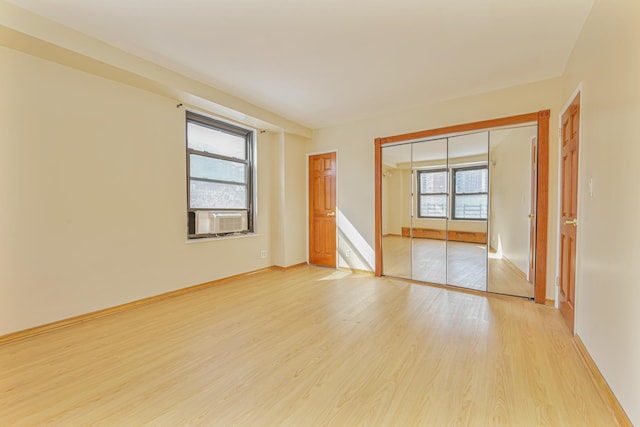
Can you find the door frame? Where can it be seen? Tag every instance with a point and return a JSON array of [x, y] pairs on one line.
[[541, 118], [306, 177], [576, 92]]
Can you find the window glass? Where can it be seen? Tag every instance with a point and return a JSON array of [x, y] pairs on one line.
[[472, 181], [433, 182], [212, 141], [433, 193], [204, 195], [433, 206], [217, 169], [470, 198], [471, 206]]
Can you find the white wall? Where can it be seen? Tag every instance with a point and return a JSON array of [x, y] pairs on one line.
[[93, 196], [355, 142], [606, 60]]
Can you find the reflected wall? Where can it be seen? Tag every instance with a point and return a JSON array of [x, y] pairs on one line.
[[396, 211]]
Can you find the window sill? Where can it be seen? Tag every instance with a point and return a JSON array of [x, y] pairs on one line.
[[216, 239]]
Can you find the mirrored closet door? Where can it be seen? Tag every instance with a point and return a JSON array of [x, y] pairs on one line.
[[467, 219], [434, 206], [461, 210], [428, 230], [396, 210], [512, 220]]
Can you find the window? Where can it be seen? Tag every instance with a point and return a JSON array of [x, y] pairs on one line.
[[470, 193], [433, 191], [220, 177]]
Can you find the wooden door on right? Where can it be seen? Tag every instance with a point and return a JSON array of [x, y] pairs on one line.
[[570, 137]]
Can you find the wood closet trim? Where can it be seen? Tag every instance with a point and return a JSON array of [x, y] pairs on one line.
[[542, 211]]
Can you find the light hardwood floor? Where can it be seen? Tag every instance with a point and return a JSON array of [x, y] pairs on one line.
[[306, 347]]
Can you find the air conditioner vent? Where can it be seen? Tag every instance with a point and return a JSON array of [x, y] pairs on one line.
[[210, 222], [231, 222]]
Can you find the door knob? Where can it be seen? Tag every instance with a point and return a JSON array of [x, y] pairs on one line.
[[331, 213], [573, 222], [531, 216]]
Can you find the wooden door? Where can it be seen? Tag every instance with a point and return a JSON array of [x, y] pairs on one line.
[[569, 209], [322, 209], [532, 210]]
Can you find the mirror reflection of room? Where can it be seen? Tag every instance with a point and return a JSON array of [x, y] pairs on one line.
[[467, 219], [512, 160], [396, 176], [460, 210], [427, 214], [434, 210]]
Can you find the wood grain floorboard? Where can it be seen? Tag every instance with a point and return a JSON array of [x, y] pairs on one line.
[[306, 347]]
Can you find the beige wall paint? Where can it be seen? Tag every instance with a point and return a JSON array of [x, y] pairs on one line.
[[295, 193], [606, 60], [278, 180], [288, 216], [356, 162], [93, 196]]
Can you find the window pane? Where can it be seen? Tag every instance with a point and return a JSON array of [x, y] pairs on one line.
[[213, 195], [433, 206], [471, 207], [221, 170], [215, 142], [433, 182], [472, 181]]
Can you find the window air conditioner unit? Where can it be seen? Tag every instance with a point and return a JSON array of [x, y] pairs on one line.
[[208, 222]]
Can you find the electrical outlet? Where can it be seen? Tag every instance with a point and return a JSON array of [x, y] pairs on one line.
[[263, 253], [348, 253]]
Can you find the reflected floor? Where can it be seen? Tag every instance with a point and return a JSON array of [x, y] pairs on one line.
[[506, 278], [466, 265]]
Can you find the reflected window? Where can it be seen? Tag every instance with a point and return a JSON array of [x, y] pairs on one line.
[[433, 193], [470, 195]]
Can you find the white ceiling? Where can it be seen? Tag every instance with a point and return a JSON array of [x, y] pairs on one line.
[[323, 62]]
